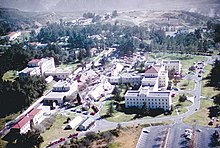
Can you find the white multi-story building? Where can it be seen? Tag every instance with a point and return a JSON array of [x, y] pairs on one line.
[[38, 67], [172, 64], [153, 99], [60, 91]]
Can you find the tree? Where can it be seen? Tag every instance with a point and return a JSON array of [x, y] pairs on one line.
[[79, 100], [182, 98], [31, 139], [114, 14], [144, 109], [110, 110], [171, 73]]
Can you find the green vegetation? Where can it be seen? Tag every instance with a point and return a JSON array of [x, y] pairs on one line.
[[57, 130], [201, 117], [10, 76], [186, 84], [116, 115]]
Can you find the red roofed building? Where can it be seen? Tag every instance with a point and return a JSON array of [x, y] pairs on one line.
[[23, 126], [34, 63], [152, 71], [35, 116]]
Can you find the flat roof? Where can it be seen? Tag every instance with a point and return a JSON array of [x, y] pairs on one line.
[[55, 95], [62, 84]]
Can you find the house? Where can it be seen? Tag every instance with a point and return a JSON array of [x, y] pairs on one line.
[[35, 116], [38, 67], [153, 99], [13, 35]]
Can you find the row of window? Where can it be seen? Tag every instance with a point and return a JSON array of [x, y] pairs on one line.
[[152, 106], [148, 103], [154, 100]]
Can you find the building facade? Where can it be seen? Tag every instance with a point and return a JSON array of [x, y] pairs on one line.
[[152, 99]]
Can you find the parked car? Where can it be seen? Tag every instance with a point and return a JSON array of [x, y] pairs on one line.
[[173, 95], [85, 112], [92, 113]]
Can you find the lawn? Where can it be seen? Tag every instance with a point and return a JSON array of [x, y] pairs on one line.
[[10, 75], [201, 116], [116, 116], [186, 60], [208, 91], [57, 130], [186, 85]]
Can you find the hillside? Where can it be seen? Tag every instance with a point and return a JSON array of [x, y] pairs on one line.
[[206, 7]]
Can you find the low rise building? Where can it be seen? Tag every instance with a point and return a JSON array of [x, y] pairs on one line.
[[33, 118], [38, 67], [23, 126], [61, 91]]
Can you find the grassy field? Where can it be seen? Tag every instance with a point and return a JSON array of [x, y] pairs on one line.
[[186, 85], [10, 76], [186, 60], [208, 91], [116, 116], [201, 116], [57, 130]]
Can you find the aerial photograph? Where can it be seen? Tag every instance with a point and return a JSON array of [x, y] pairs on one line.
[[109, 73]]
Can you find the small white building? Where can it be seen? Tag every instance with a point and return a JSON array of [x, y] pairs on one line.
[[172, 64], [13, 35], [74, 123]]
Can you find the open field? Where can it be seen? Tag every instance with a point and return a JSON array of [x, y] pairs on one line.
[[208, 91], [201, 117], [186, 84], [116, 116], [57, 131]]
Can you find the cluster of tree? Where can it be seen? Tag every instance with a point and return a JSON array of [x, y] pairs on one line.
[[214, 27], [100, 138], [214, 79], [14, 96], [31, 139], [182, 98]]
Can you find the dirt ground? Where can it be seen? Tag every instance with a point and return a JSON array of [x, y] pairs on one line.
[[128, 137]]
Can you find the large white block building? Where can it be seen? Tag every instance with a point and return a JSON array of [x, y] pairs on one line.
[[153, 99], [155, 76]]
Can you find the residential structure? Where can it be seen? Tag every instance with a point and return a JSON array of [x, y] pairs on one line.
[[13, 35], [38, 67]]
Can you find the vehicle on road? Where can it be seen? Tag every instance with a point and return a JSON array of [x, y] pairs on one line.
[[146, 131], [198, 130]]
